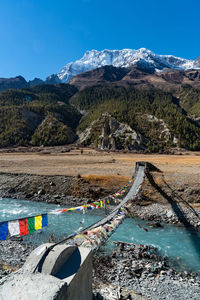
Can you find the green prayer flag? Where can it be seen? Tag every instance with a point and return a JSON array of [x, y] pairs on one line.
[[31, 224]]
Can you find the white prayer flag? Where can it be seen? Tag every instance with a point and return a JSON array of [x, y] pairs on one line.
[[13, 227]]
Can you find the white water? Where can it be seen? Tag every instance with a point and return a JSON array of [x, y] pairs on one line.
[[180, 245]]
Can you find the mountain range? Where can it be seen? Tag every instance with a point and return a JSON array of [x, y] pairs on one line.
[[127, 59], [128, 99]]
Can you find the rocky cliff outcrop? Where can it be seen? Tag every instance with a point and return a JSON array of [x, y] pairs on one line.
[[107, 133], [163, 132]]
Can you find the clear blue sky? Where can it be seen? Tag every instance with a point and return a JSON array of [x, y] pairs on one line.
[[38, 37]]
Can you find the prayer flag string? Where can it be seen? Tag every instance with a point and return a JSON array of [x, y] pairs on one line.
[[23, 226], [31, 224]]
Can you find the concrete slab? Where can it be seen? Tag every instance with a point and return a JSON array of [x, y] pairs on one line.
[[26, 286], [66, 273]]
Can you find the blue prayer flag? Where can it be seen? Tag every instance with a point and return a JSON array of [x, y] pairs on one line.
[[3, 230], [44, 220]]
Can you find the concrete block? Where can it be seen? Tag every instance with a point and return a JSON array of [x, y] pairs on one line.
[[26, 286], [66, 273]]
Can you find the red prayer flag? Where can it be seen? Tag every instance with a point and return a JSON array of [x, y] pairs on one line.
[[23, 226]]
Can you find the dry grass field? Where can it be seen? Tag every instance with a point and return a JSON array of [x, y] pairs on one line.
[[101, 172], [94, 163]]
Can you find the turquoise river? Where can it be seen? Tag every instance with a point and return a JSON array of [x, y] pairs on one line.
[[180, 245]]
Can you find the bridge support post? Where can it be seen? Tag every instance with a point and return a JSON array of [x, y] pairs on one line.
[[66, 273]]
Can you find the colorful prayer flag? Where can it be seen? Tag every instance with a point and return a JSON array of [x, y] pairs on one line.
[[44, 220], [13, 227], [3, 230], [38, 222], [23, 226], [31, 224]]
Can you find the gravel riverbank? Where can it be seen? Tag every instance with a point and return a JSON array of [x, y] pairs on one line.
[[13, 254], [130, 272], [137, 272], [159, 212], [63, 190]]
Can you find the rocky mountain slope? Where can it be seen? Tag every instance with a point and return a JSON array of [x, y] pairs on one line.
[[145, 111], [19, 82], [170, 80], [99, 76], [13, 83], [106, 133], [38, 116], [126, 58], [159, 116]]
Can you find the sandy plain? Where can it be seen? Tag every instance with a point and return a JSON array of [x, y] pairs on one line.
[[92, 162]]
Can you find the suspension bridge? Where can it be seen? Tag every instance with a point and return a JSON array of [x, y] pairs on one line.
[[65, 268]]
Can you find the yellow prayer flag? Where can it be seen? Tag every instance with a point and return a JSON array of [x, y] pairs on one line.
[[38, 222]]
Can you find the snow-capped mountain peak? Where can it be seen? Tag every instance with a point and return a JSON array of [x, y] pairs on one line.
[[125, 58]]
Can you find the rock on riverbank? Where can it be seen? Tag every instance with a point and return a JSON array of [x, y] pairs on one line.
[[164, 213], [130, 272], [13, 254], [63, 190], [137, 272]]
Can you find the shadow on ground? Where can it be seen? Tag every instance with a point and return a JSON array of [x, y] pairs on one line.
[[182, 217]]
